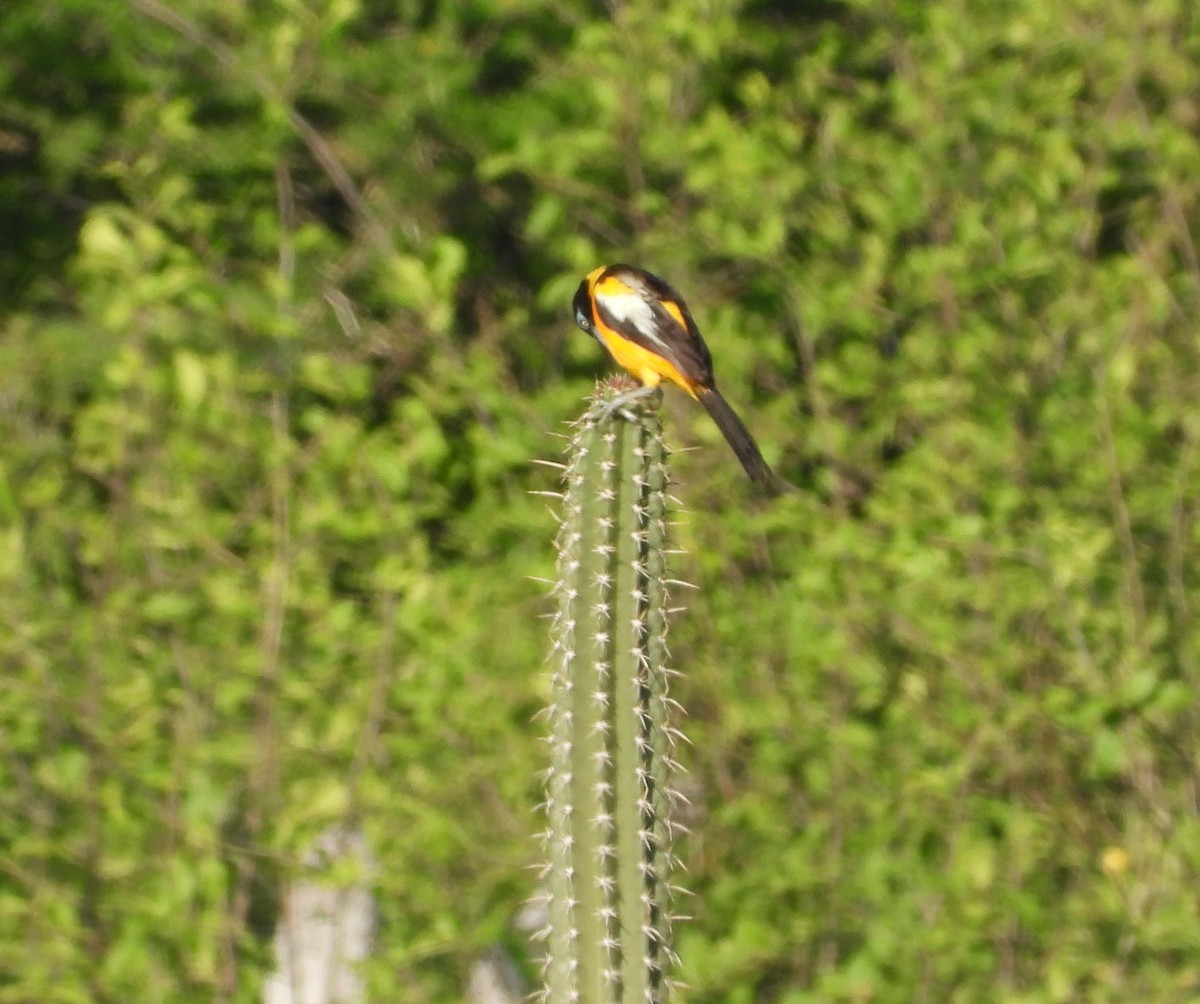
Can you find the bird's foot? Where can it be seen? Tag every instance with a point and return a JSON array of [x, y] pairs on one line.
[[620, 404]]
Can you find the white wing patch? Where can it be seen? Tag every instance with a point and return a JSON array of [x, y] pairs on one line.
[[631, 308]]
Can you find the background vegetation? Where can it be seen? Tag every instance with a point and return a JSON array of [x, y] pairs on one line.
[[284, 297]]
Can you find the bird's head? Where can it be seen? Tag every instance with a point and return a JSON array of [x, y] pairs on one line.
[[582, 305]]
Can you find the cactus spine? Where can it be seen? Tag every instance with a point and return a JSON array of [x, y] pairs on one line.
[[608, 794]]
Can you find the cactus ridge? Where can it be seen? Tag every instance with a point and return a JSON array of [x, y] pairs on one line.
[[608, 787]]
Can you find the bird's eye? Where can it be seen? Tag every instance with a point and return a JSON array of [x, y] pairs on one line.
[[583, 320]]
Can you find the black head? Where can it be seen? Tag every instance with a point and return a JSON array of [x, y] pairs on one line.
[[582, 305]]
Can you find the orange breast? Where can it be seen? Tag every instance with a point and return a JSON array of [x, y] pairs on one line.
[[649, 368]]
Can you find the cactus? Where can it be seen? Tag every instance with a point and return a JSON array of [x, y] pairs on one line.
[[608, 789]]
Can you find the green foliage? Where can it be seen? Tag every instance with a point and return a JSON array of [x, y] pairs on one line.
[[284, 320]]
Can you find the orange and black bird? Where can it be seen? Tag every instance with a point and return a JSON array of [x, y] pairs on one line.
[[648, 330]]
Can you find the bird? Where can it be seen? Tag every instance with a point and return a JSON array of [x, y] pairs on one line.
[[647, 329]]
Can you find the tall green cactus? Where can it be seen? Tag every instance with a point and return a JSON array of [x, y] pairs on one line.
[[607, 794]]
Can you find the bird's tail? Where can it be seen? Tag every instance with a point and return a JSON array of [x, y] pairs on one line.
[[739, 438]]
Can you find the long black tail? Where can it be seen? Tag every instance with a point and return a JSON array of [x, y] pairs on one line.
[[739, 438]]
